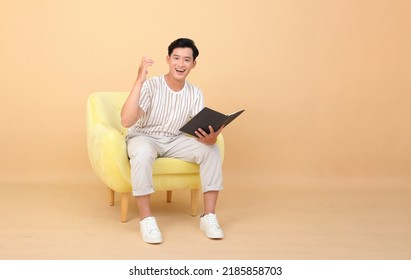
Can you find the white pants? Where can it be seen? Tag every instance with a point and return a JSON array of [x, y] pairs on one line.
[[143, 150]]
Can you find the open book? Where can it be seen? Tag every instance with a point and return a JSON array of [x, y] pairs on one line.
[[208, 117]]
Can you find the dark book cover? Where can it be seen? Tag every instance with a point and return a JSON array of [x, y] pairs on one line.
[[208, 117]]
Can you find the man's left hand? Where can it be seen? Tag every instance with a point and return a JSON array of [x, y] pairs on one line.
[[210, 138]]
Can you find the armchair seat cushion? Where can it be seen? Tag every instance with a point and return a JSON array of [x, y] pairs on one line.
[[163, 166]]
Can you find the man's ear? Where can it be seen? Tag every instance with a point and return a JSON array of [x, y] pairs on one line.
[[194, 63], [167, 58]]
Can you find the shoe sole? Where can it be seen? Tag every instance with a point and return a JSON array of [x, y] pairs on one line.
[[211, 236], [214, 236], [152, 241]]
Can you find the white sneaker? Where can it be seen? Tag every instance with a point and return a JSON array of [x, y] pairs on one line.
[[209, 224], [150, 231]]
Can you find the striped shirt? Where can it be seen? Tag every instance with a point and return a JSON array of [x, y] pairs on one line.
[[166, 111]]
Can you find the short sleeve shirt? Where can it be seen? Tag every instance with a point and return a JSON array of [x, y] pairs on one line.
[[166, 111]]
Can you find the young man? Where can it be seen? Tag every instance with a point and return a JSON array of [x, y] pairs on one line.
[[154, 111]]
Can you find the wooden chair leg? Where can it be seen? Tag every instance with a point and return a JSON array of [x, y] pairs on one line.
[[125, 197], [111, 195], [194, 202], [169, 193]]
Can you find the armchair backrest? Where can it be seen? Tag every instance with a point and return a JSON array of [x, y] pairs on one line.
[[105, 107]]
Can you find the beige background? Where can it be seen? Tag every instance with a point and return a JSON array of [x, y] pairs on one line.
[[325, 85]]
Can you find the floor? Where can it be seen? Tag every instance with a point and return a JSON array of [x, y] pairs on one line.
[[262, 220]]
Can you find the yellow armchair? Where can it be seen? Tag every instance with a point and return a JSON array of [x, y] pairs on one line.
[[107, 152]]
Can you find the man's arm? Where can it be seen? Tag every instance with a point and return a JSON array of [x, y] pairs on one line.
[[131, 111]]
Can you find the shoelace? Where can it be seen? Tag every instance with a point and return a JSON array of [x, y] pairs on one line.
[[212, 221], [151, 224]]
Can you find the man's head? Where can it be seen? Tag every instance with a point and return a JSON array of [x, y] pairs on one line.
[[181, 58], [183, 43]]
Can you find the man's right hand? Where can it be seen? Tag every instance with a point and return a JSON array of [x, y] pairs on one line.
[[142, 70]]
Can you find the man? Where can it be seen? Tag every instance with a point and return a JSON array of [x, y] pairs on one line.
[[154, 111]]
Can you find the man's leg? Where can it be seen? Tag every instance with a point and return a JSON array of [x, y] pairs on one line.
[[209, 159], [207, 156], [143, 205], [210, 201], [208, 221], [142, 153]]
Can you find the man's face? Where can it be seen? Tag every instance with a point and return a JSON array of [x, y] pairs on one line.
[[180, 63]]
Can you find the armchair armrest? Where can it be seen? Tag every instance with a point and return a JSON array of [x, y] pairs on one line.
[[108, 156]]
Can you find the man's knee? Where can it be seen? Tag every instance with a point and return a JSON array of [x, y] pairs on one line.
[[209, 153], [141, 151]]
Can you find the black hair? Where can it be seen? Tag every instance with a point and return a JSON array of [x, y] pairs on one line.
[[183, 43]]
